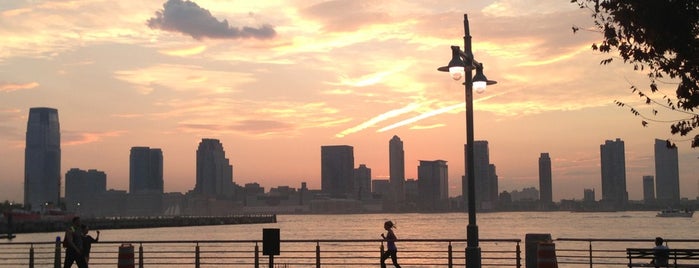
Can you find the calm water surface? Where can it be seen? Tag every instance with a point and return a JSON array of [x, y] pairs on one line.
[[499, 225]]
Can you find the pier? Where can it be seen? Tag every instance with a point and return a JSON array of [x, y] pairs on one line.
[[137, 222]]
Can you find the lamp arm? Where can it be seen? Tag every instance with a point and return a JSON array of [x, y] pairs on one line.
[[469, 58]]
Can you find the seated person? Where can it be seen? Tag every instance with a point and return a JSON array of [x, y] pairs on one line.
[[661, 253]]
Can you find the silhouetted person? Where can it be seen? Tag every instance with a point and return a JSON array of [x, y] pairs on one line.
[[73, 242], [87, 242], [392, 250], [661, 253]]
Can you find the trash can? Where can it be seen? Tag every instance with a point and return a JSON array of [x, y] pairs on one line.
[[546, 255], [125, 256], [531, 246]]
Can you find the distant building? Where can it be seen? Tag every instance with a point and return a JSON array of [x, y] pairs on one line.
[[145, 170], [433, 185], [589, 195], [411, 190], [337, 170], [42, 159], [648, 189], [362, 182], [545, 184], [396, 156], [380, 187], [613, 163], [526, 194], [667, 174], [83, 189], [486, 181], [214, 171]]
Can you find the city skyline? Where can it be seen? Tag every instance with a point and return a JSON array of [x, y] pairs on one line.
[[318, 73]]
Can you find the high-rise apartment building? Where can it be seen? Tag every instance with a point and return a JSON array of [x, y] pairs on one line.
[[433, 185], [545, 184], [337, 170], [485, 182], [362, 182], [648, 189], [667, 174], [42, 159], [613, 163], [214, 171], [589, 195], [83, 188], [396, 157], [145, 170]]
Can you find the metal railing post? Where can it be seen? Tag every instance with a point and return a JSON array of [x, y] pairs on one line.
[[381, 252], [317, 254], [140, 255], [31, 256], [519, 255], [257, 255], [590, 248], [196, 256], [57, 253], [451, 263]]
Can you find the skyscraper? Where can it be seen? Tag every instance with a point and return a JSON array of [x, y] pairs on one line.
[[433, 185], [613, 163], [42, 159], [145, 170], [396, 157], [362, 182], [83, 188], [485, 182], [667, 174], [337, 170], [648, 189], [545, 184], [214, 171]]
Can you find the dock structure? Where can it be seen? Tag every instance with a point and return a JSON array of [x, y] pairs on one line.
[[139, 222]]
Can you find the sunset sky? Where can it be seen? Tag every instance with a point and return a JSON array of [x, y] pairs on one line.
[[275, 80]]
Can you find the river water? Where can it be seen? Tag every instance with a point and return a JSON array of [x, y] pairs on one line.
[[497, 225]]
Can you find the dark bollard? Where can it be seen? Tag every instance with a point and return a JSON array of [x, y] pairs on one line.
[[531, 244], [57, 253]]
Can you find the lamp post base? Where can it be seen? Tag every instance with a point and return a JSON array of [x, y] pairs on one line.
[[473, 257], [473, 251]]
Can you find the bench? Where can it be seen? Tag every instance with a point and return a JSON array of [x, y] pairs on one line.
[[641, 257]]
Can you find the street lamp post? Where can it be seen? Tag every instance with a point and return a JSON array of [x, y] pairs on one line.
[[462, 64]]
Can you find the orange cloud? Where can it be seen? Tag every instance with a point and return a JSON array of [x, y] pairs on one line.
[[70, 138], [8, 87]]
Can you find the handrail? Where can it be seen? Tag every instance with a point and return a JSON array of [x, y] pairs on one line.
[[295, 252], [570, 252]]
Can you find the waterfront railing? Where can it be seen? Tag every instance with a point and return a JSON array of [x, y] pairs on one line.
[[570, 252], [248, 253]]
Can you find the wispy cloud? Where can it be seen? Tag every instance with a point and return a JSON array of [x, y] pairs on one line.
[[379, 118], [70, 138], [7, 87], [189, 51], [188, 18]]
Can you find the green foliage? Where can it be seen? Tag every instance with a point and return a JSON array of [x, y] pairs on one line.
[[660, 37]]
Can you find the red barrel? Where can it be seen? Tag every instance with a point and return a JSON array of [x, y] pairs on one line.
[[125, 256], [546, 255]]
